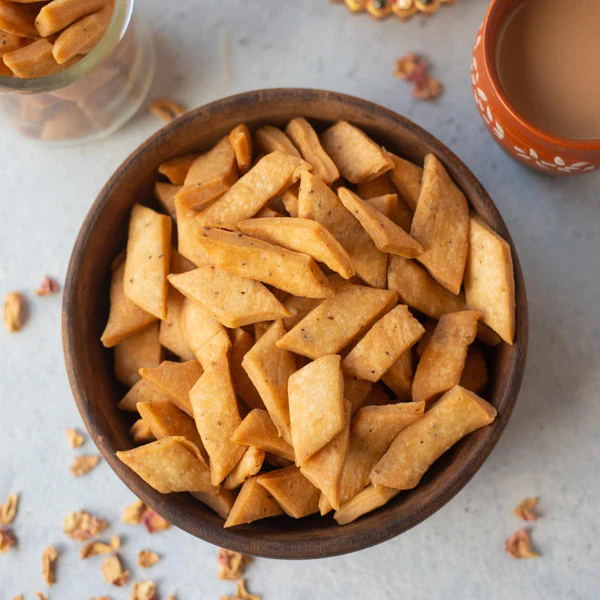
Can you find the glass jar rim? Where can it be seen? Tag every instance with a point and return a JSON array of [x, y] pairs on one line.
[[116, 30]]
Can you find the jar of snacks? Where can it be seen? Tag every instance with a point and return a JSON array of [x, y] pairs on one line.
[[73, 70]]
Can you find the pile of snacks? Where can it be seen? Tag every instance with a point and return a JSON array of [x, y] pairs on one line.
[[311, 343], [403, 9]]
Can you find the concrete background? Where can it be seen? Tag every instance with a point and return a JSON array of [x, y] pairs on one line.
[[551, 445]]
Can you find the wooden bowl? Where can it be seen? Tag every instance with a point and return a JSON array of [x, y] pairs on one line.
[[90, 365]]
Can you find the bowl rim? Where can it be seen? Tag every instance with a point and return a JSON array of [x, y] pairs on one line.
[[241, 539]]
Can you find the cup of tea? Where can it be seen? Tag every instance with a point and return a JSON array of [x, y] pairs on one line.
[[536, 82]]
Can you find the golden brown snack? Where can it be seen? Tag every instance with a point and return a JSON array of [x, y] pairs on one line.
[[18, 19], [269, 368], [289, 199], [209, 176], [316, 201], [292, 491], [407, 177], [474, 376], [357, 156], [138, 351], [380, 186], [305, 138], [357, 391], [171, 335], [148, 259], [253, 502], [399, 377], [458, 413], [216, 414], [248, 466], [58, 14], [176, 169], [170, 465], [441, 225], [10, 42], [444, 357], [384, 204], [369, 499], [271, 139], [142, 391], [188, 235], [338, 321], [33, 60], [302, 235], [165, 193], [273, 174], [220, 501], [489, 279], [242, 342], [389, 338], [284, 269], [241, 141], [141, 433]]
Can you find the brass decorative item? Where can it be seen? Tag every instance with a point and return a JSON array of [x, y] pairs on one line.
[[403, 9]]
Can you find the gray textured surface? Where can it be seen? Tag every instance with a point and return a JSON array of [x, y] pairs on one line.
[[551, 446]]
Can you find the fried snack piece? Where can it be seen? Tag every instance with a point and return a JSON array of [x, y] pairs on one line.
[[10, 42], [176, 169], [217, 416], [441, 225], [269, 177], [302, 235], [241, 142], [271, 139], [142, 391], [140, 350], [249, 465], [33, 60], [165, 420], [18, 19], [444, 357], [338, 321], [297, 496], [399, 377], [205, 336], [324, 468], [416, 448], [171, 335], [394, 208], [305, 138], [388, 236], [474, 376], [140, 433], [487, 335], [242, 342], [221, 501], [356, 391], [231, 299], [417, 289], [209, 176], [430, 325], [148, 259], [125, 318], [189, 232], [176, 380], [368, 500], [59, 14], [380, 186], [165, 193], [269, 368], [316, 403], [317, 202], [489, 279], [252, 503], [299, 307], [407, 177], [395, 333], [356, 155], [258, 430], [384, 204], [83, 35], [172, 464], [292, 272], [289, 199]]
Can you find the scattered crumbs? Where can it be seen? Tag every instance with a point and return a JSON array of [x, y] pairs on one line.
[[518, 545], [74, 438], [98, 548], [48, 287], [113, 572], [154, 522], [7, 540], [232, 564], [14, 307], [134, 512], [82, 525], [165, 109], [242, 593], [146, 559], [525, 510], [415, 69], [143, 591], [41, 596], [8, 511], [49, 557], [84, 464]]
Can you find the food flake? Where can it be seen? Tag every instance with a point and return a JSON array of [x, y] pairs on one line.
[[41, 596], [98, 548], [414, 68], [8, 511], [74, 438], [82, 525], [133, 513], [143, 591], [518, 545], [49, 557], [232, 564], [84, 464], [7, 540], [113, 571], [165, 109], [242, 593], [154, 522], [14, 306], [525, 510], [146, 559], [47, 287]]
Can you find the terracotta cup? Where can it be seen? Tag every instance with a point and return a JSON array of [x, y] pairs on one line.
[[534, 147]]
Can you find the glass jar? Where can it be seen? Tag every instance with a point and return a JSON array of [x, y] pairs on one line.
[[92, 98]]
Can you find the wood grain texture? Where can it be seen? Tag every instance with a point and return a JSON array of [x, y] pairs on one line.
[[90, 365]]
